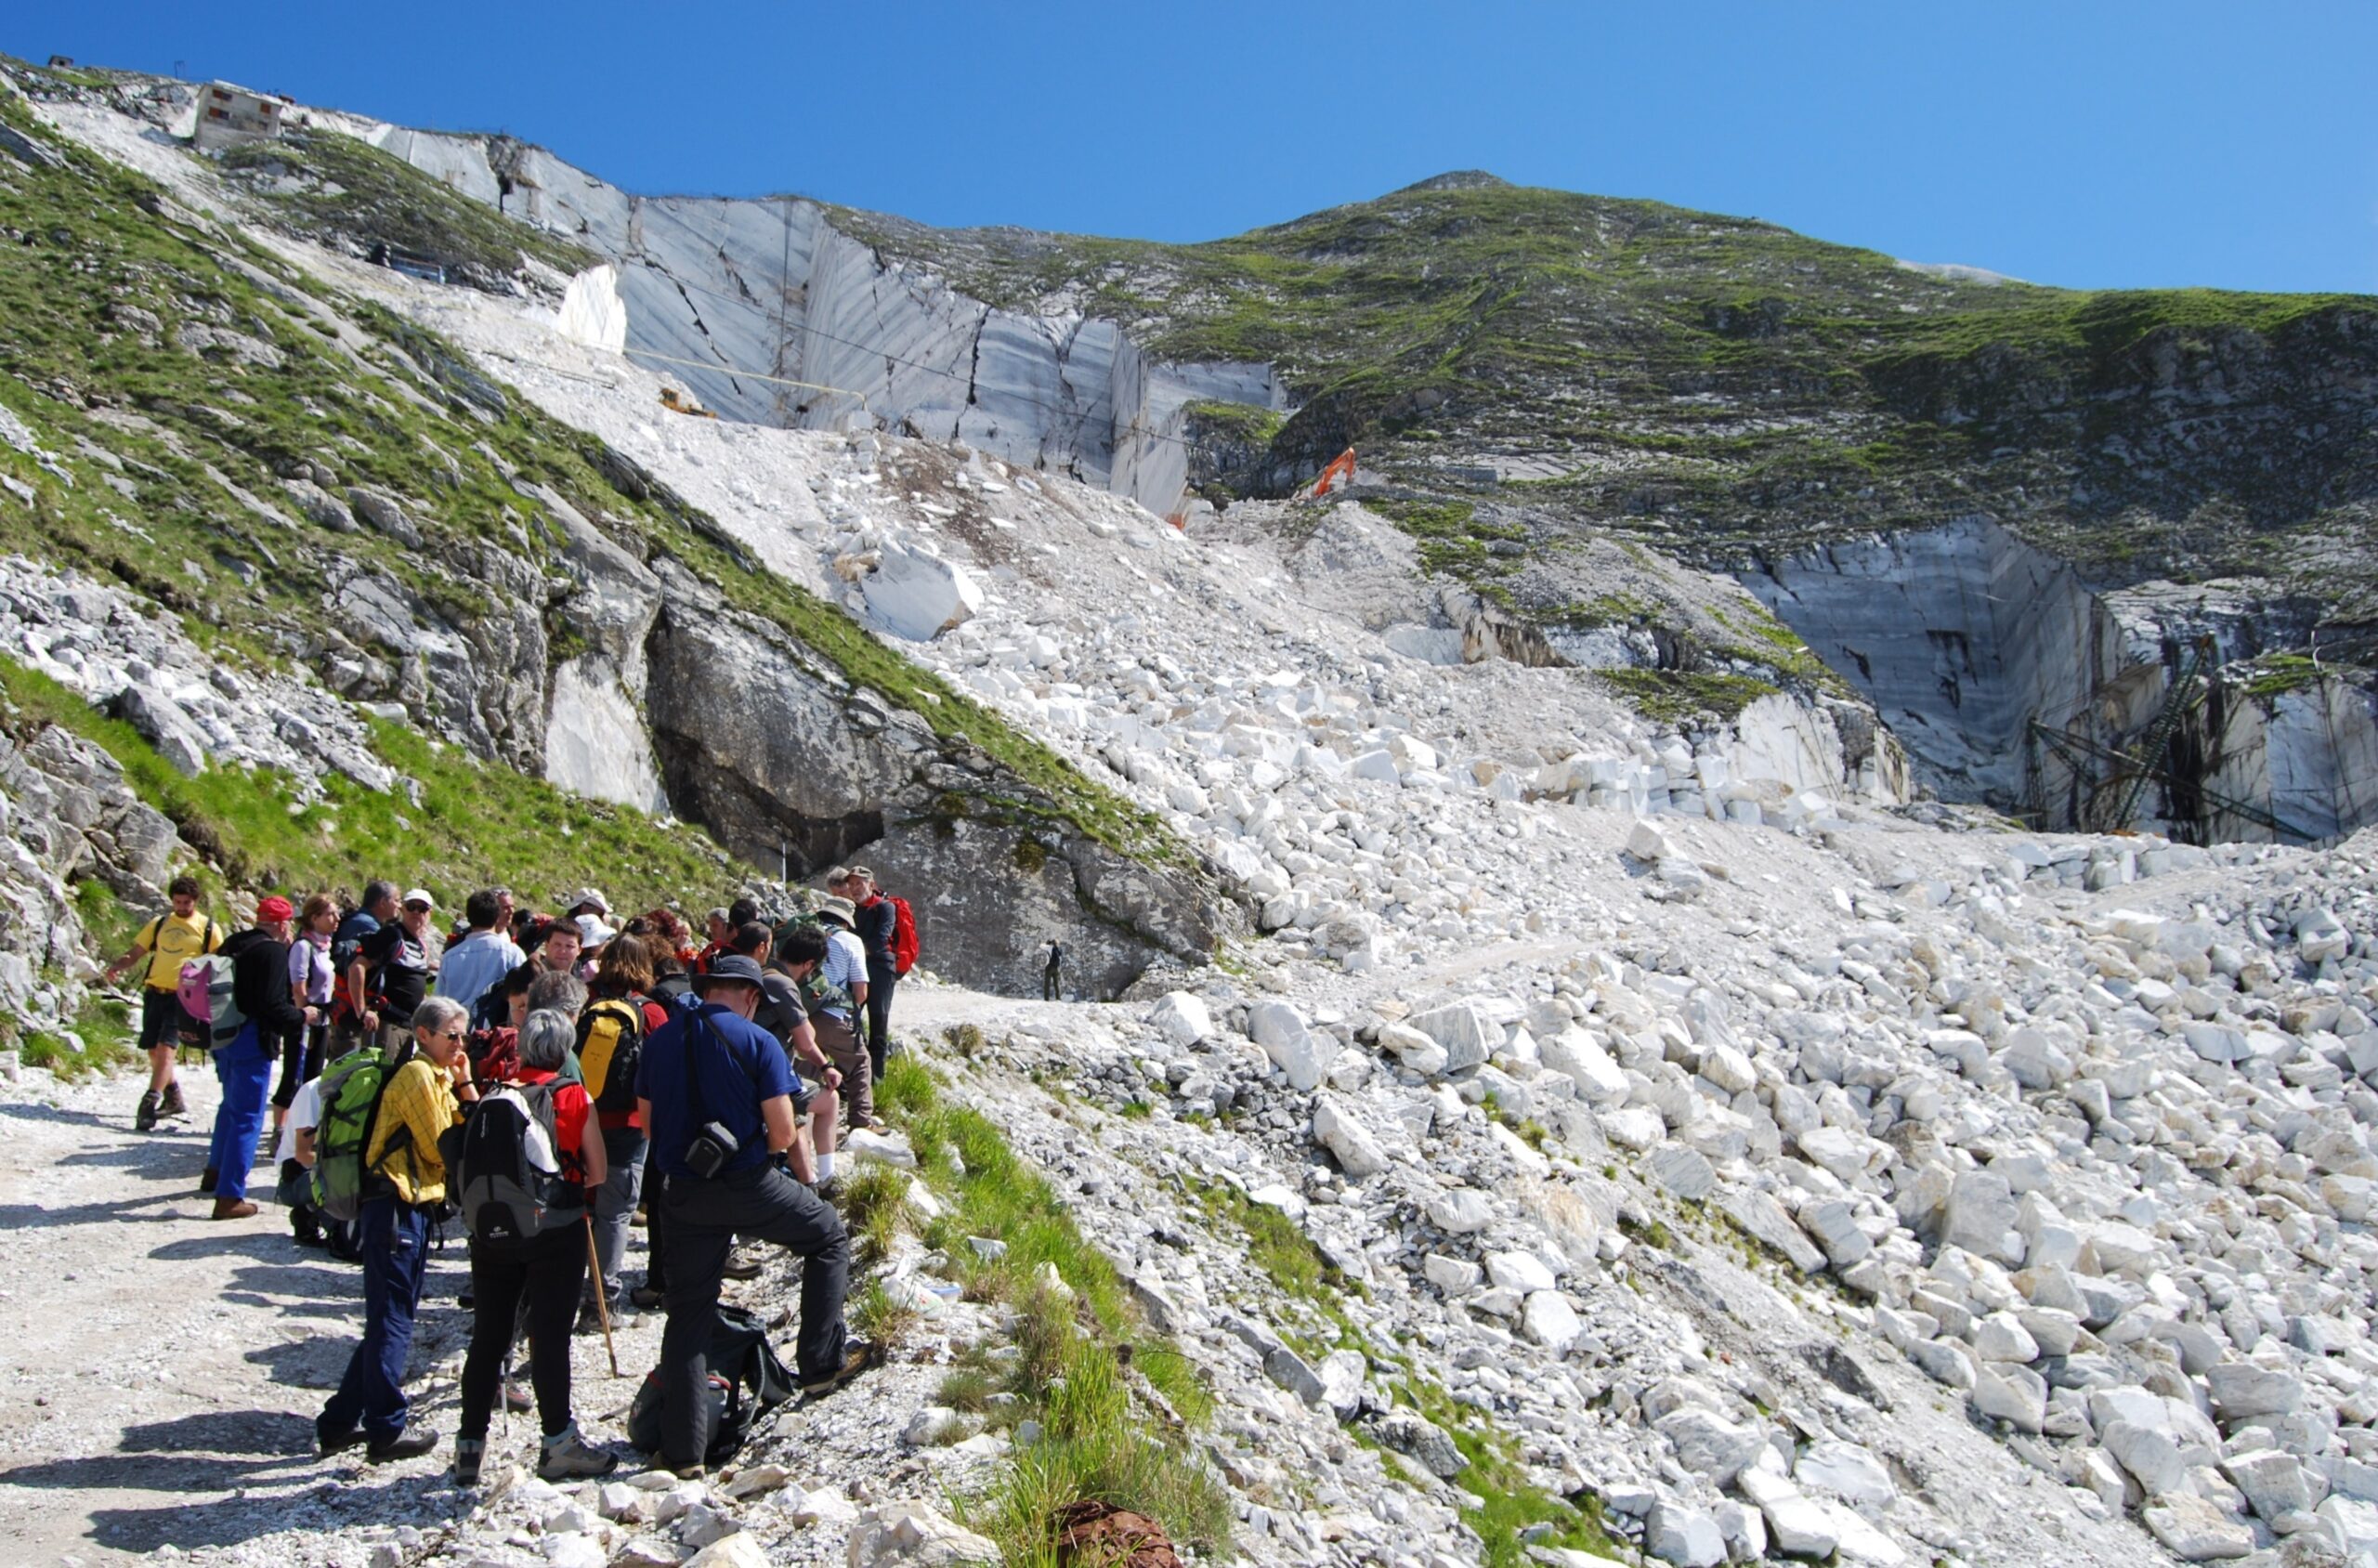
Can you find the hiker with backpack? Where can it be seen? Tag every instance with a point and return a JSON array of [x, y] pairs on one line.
[[167, 942], [393, 1175], [838, 1009], [524, 1162], [311, 982], [619, 1014], [259, 995], [889, 932], [806, 1030], [392, 969], [378, 908], [716, 1097]]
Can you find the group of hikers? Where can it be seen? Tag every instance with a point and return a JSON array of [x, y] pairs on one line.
[[523, 1074]]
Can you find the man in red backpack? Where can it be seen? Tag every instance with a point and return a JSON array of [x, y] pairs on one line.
[[878, 927]]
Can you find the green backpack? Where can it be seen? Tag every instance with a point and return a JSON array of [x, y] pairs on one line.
[[351, 1094]]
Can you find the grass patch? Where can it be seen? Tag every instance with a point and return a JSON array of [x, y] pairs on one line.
[[2276, 675], [470, 818], [871, 1205], [1508, 1504], [1275, 1244], [1082, 1345], [333, 187], [877, 1316], [1679, 696]]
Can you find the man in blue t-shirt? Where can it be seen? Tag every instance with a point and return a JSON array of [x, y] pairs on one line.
[[711, 1067]]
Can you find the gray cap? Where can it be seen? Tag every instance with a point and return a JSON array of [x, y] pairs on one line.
[[730, 968]]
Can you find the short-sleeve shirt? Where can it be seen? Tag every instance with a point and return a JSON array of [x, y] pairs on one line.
[[403, 962], [305, 1111], [170, 941], [846, 962], [737, 1066]]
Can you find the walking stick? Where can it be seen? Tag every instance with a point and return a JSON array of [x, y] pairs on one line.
[[601, 1297]]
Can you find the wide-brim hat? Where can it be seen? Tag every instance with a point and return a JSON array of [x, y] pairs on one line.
[[838, 910]]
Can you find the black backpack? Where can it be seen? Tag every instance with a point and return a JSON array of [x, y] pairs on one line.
[[747, 1383], [503, 1167]]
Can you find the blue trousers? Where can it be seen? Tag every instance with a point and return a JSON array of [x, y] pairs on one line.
[[394, 1241], [246, 1074]]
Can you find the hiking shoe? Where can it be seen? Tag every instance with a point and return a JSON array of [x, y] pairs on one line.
[[688, 1472], [404, 1446], [146, 1116], [470, 1453], [234, 1209], [517, 1399], [173, 1106], [590, 1318], [647, 1298], [747, 1266], [207, 1179], [566, 1455], [857, 1356], [327, 1442]]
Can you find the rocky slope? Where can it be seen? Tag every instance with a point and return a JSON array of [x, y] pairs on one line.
[[1636, 1134], [1551, 376]]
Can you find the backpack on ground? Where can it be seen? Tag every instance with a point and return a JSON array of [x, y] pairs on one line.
[[352, 1090], [503, 1167], [211, 1015], [746, 1382], [904, 936], [610, 1043]]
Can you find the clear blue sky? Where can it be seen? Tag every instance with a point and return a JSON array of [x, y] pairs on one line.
[[2093, 144]]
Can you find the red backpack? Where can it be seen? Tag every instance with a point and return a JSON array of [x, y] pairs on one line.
[[904, 936]]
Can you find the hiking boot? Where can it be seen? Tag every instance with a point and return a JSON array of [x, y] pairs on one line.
[[688, 1472], [146, 1116], [470, 1453], [173, 1106], [207, 1179], [589, 1319], [234, 1209], [647, 1298], [857, 1356], [566, 1456], [404, 1446], [517, 1399], [329, 1442], [746, 1266]]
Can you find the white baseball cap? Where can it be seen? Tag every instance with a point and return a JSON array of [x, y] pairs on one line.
[[421, 895]]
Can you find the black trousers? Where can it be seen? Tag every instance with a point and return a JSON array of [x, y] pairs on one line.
[[881, 981], [704, 1218], [1051, 990], [545, 1275], [301, 1061]]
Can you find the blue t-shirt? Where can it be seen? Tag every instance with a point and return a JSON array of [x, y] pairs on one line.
[[739, 1063]]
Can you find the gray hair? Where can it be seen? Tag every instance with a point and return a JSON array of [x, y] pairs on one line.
[[547, 1036], [559, 991], [436, 1014]]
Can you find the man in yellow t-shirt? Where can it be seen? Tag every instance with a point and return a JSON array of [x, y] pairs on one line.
[[167, 942]]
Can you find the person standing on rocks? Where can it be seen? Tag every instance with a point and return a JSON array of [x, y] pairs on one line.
[[312, 981], [878, 921], [378, 910], [626, 977], [260, 989], [804, 1028], [392, 970], [1052, 981], [840, 999], [168, 942], [392, 1234], [541, 1275], [715, 1093]]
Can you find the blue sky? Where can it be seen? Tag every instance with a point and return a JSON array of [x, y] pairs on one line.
[[2088, 144]]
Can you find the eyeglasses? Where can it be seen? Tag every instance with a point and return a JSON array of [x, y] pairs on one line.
[[448, 1034]]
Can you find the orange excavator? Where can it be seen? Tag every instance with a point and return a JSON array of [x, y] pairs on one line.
[[674, 400], [1340, 470]]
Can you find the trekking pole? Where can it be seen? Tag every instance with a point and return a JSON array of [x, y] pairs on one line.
[[601, 1297]]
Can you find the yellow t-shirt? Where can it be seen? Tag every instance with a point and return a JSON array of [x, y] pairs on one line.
[[170, 941]]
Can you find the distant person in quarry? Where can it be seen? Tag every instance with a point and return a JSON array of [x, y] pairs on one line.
[[1052, 981]]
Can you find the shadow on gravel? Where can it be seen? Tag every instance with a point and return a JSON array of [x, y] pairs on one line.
[[217, 1451], [21, 1216]]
